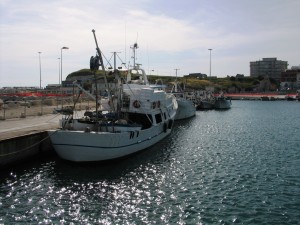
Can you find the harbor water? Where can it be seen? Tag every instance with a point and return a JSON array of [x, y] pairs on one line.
[[239, 166]]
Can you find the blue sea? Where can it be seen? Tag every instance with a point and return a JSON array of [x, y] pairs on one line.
[[238, 166]]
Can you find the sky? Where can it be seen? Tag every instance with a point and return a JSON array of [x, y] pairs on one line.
[[171, 34]]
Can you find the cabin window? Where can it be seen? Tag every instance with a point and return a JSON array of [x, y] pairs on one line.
[[142, 119], [158, 118]]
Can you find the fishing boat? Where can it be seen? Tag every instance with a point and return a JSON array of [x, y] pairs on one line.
[[205, 104], [205, 101], [186, 107], [132, 118], [221, 102]]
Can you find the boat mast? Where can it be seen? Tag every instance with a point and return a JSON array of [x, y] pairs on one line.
[[103, 69], [136, 66], [134, 47], [120, 88]]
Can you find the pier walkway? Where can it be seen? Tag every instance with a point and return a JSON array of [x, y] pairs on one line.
[[16, 127]]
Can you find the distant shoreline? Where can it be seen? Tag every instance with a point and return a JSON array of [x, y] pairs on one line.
[[239, 96]]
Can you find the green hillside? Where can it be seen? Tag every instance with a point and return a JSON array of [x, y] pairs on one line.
[[229, 84]]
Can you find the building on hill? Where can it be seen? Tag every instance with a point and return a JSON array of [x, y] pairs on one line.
[[290, 79], [240, 76], [197, 75], [270, 67]]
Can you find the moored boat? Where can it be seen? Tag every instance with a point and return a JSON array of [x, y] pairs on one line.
[[186, 107], [205, 104], [205, 100], [221, 102], [137, 117]]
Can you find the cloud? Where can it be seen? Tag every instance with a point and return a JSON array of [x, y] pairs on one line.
[[169, 35]]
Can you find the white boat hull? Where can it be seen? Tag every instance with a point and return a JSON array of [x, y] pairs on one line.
[[81, 146], [186, 109], [137, 117]]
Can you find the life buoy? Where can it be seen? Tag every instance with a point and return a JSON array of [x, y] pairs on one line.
[[158, 104], [153, 105], [136, 104]]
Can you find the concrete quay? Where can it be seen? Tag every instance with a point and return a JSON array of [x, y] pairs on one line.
[[22, 138], [260, 96], [16, 127]]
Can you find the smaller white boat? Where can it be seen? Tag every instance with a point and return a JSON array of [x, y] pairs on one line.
[[186, 107]]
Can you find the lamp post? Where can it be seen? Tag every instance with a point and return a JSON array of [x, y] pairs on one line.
[[61, 63], [176, 80], [40, 70], [41, 113], [176, 73], [57, 92], [210, 62], [62, 100], [58, 70]]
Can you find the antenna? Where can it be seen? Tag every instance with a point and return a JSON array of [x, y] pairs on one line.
[[125, 43], [176, 80], [134, 47], [137, 36]]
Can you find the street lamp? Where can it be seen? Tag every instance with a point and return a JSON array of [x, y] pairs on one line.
[[40, 70], [176, 80], [57, 92], [209, 62], [41, 113], [62, 100], [61, 63], [176, 72], [58, 70]]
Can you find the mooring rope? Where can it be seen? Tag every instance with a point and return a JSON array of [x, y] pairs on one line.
[[24, 149]]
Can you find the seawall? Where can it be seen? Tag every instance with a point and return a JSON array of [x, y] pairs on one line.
[[21, 148], [260, 96]]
